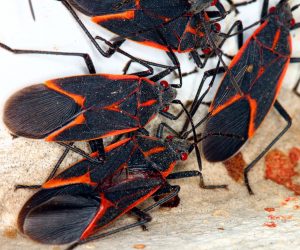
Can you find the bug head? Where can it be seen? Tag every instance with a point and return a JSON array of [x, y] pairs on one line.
[[283, 14], [168, 94], [179, 146]]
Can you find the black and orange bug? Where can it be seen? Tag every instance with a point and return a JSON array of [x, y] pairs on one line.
[[180, 26], [75, 205], [259, 66], [87, 107]]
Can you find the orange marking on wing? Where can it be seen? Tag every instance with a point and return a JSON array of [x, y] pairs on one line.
[[206, 17], [128, 15], [83, 179], [113, 107], [147, 103], [161, 47], [260, 72], [190, 29], [77, 98], [120, 77], [137, 4], [169, 170], [116, 145], [253, 109], [153, 151], [94, 154], [276, 39], [154, 45], [219, 108], [80, 119], [148, 81], [105, 204], [89, 230]]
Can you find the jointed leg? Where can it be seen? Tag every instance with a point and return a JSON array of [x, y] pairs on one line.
[[52, 174], [142, 215], [87, 59], [114, 47], [143, 219], [198, 101]]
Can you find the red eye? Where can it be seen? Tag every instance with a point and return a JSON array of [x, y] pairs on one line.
[[214, 2], [170, 137], [166, 109], [217, 27], [184, 156], [292, 22], [272, 9], [165, 84], [206, 51]]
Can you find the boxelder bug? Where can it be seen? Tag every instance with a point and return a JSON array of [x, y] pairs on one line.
[[259, 66], [181, 25], [82, 108], [85, 198], [87, 107]]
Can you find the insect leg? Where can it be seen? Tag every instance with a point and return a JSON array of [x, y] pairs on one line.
[[183, 174], [295, 89], [79, 151], [239, 25], [162, 126], [240, 36], [51, 175], [113, 46], [143, 219], [142, 214], [288, 119], [296, 25], [162, 74], [235, 5], [129, 63], [198, 100], [87, 59], [265, 9]]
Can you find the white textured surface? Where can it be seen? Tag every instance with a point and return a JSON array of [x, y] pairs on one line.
[[194, 224]]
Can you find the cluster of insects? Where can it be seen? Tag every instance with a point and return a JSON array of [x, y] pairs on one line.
[[127, 165]]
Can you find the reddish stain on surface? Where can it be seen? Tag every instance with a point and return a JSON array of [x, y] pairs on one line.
[[280, 168], [235, 167], [280, 217], [294, 155], [270, 224], [296, 207], [289, 204], [10, 233], [269, 209], [287, 200], [139, 246]]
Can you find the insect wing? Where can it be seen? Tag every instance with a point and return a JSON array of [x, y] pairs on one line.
[[57, 216], [259, 70]]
